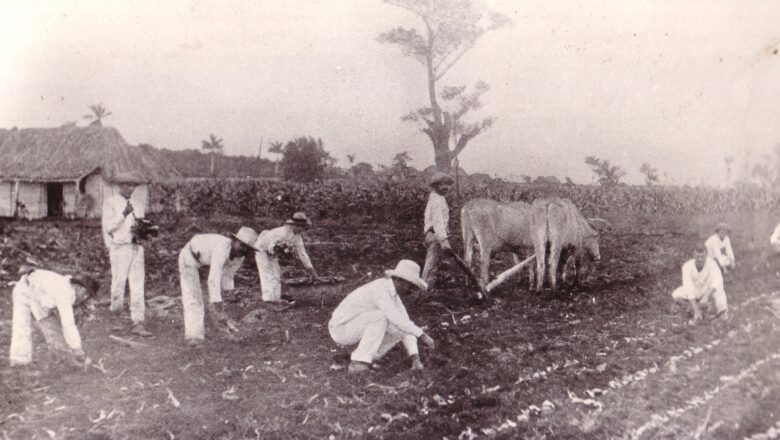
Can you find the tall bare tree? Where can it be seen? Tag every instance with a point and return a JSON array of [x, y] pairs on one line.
[[450, 29], [212, 146], [98, 113]]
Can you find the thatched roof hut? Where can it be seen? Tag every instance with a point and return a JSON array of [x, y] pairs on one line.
[[68, 170]]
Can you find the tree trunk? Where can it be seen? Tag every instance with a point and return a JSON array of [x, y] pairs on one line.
[[443, 158], [212, 164]]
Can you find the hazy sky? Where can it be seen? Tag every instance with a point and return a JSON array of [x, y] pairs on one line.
[[680, 84]]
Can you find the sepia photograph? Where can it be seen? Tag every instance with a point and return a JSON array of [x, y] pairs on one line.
[[389, 219]]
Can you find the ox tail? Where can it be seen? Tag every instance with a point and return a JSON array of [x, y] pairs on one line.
[[468, 235]]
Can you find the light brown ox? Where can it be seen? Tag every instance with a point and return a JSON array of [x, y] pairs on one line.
[[496, 227], [557, 227]]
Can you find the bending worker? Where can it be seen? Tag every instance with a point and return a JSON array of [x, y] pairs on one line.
[[37, 294], [224, 256], [270, 244]]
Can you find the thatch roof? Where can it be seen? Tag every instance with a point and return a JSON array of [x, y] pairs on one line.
[[70, 152]]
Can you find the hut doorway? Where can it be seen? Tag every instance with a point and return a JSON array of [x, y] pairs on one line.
[[54, 199]]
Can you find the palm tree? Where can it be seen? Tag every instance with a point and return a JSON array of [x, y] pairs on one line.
[[98, 113], [212, 146], [278, 148]]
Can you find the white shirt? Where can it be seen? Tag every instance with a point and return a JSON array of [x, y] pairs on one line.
[[709, 277], [715, 246], [437, 216], [116, 226], [377, 295], [213, 250], [775, 238], [49, 290], [284, 235]]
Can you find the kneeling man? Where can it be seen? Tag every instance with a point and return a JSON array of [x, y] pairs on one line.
[[374, 317], [39, 293], [702, 279]]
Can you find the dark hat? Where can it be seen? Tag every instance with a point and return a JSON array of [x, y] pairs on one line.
[[439, 177], [299, 219], [132, 177]]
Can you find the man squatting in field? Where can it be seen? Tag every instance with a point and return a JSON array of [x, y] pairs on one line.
[[436, 223], [774, 240], [374, 317], [224, 256], [126, 256], [37, 294], [719, 248], [702, 279], [270, 244]]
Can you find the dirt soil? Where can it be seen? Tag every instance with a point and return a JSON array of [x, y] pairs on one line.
[[614, 358]]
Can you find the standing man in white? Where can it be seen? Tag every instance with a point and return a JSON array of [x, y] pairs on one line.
[[126, 255], [436, 223], [719, 248]]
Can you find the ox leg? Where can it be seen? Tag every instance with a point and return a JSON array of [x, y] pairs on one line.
[[484, 255], [552, 267], [541, 259]]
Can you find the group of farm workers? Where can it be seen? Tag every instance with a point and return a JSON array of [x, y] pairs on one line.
[[373, 316]]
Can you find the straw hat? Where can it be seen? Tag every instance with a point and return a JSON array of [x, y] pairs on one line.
[[299, 219], [132, 177], [247, 236], [439, 177], [410, 271]]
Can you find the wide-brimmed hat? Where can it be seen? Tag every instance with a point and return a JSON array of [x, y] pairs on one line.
[[247, 236], [299, 219], [722, 227], [439, 178], [132, 177], [408, 270]]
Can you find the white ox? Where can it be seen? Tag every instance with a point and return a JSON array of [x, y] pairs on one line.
[[557, 224], [496, 227]]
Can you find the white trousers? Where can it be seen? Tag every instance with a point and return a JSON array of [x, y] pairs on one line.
[[374, 334], [127, 267], [192, 299], [24, 309], [683, 293], [270, 276], [432, 257]]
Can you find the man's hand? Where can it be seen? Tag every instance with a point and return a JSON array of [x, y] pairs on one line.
[[446, 245], [128, 209], [427, 340]]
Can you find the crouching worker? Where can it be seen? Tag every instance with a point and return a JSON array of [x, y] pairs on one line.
[[224, 256], [271, 244], [38, 294], [702, 280], [719, 248], [374, 317]]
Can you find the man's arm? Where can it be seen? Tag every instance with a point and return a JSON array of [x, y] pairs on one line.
[[112, 216], [69, 330], [384, 303], [219, 259], [300, 251]]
